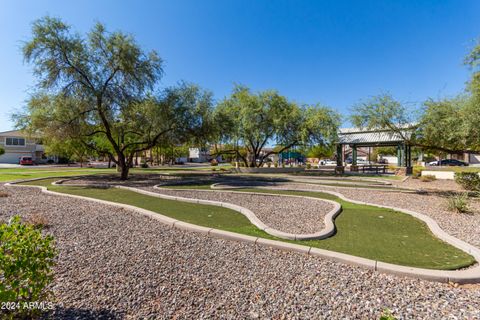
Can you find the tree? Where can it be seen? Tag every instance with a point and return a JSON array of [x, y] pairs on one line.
[[98, 90], [383, 112], [252, 121], [70, 149], [319, 151], [446, 125]]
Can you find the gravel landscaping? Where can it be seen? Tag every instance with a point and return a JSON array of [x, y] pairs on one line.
[[442, 185], [117, 264], [462, 226], [283, 213], [287, 214]]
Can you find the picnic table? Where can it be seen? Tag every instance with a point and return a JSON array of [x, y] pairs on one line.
[[378, 168]]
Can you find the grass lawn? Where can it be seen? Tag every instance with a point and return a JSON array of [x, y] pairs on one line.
[[11, 174], [365, 231]]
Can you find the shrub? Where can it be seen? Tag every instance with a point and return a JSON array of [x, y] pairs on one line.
[[387, 315], [458, 203], [275, 164], [309, 165], [428, 178], [417, 172], [468, 180], [144, 165], [214, 162], [37, 220], [269, 164], [27, 259]]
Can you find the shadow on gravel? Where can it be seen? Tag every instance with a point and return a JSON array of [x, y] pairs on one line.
[[74, 313], [193, 179]]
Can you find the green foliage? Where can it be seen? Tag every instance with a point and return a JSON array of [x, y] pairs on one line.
[[26, 260], [321, 151], [445, 125], [417, 172], [2, 151], [97, 89], [309, 165], [253, 120], [468, 180], [386, 151], [428, 178], [381, 112], [458, 203], [387, 315]]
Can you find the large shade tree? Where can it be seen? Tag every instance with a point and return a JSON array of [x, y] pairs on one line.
[[249, 122], [446, 125], [98, 90]]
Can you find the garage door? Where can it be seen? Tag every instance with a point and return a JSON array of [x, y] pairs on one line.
[[13, 157]]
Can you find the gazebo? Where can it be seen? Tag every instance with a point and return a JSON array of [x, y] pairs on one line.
[[356, 138]]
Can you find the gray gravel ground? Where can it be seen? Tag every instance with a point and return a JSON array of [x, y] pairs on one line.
[[463, 226], [287, 214], [444, 185], [117, 264]]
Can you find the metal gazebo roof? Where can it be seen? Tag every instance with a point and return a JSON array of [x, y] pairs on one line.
[[372, 137]]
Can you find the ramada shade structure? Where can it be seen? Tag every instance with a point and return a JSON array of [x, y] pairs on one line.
[[356, 138]]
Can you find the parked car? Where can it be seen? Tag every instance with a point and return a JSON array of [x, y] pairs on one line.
[[330, 162], [25, 161], [448, 162]]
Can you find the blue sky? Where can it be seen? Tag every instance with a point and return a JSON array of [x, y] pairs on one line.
[[330, 52]]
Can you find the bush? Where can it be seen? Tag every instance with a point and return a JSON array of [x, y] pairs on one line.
[[214, 162], [37, 220], [428, 178], [417, 172], [275, 164], [468, 180], [387, 315], [309, 165], [27, 259], [458, 203], [144, 165], [269, 164]]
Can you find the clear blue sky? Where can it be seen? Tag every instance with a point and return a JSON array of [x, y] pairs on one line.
[[330, 52]]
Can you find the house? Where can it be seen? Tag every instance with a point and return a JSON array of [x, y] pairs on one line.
[[17, 144]]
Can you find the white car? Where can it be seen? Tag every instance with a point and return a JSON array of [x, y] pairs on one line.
[[330, 162]]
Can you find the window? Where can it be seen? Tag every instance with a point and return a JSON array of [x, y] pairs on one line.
[[15, 142]]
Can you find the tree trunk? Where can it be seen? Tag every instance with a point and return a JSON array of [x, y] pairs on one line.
[[124, 173], [123, 166]]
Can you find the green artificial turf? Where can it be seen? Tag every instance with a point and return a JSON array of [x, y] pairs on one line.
[[365, 231], [35, 172]]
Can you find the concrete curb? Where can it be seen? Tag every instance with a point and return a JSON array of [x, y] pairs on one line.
[[326, 232], [329, 218], [471, 275]]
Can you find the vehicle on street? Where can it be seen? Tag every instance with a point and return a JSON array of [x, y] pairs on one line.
[[448, 162], [26, 161]]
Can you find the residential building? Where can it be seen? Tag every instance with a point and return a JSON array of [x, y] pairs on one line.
[[17, 145]]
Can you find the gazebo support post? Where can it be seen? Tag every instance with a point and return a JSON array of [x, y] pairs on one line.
[[339, 169], [354, 166], [408, 160]]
